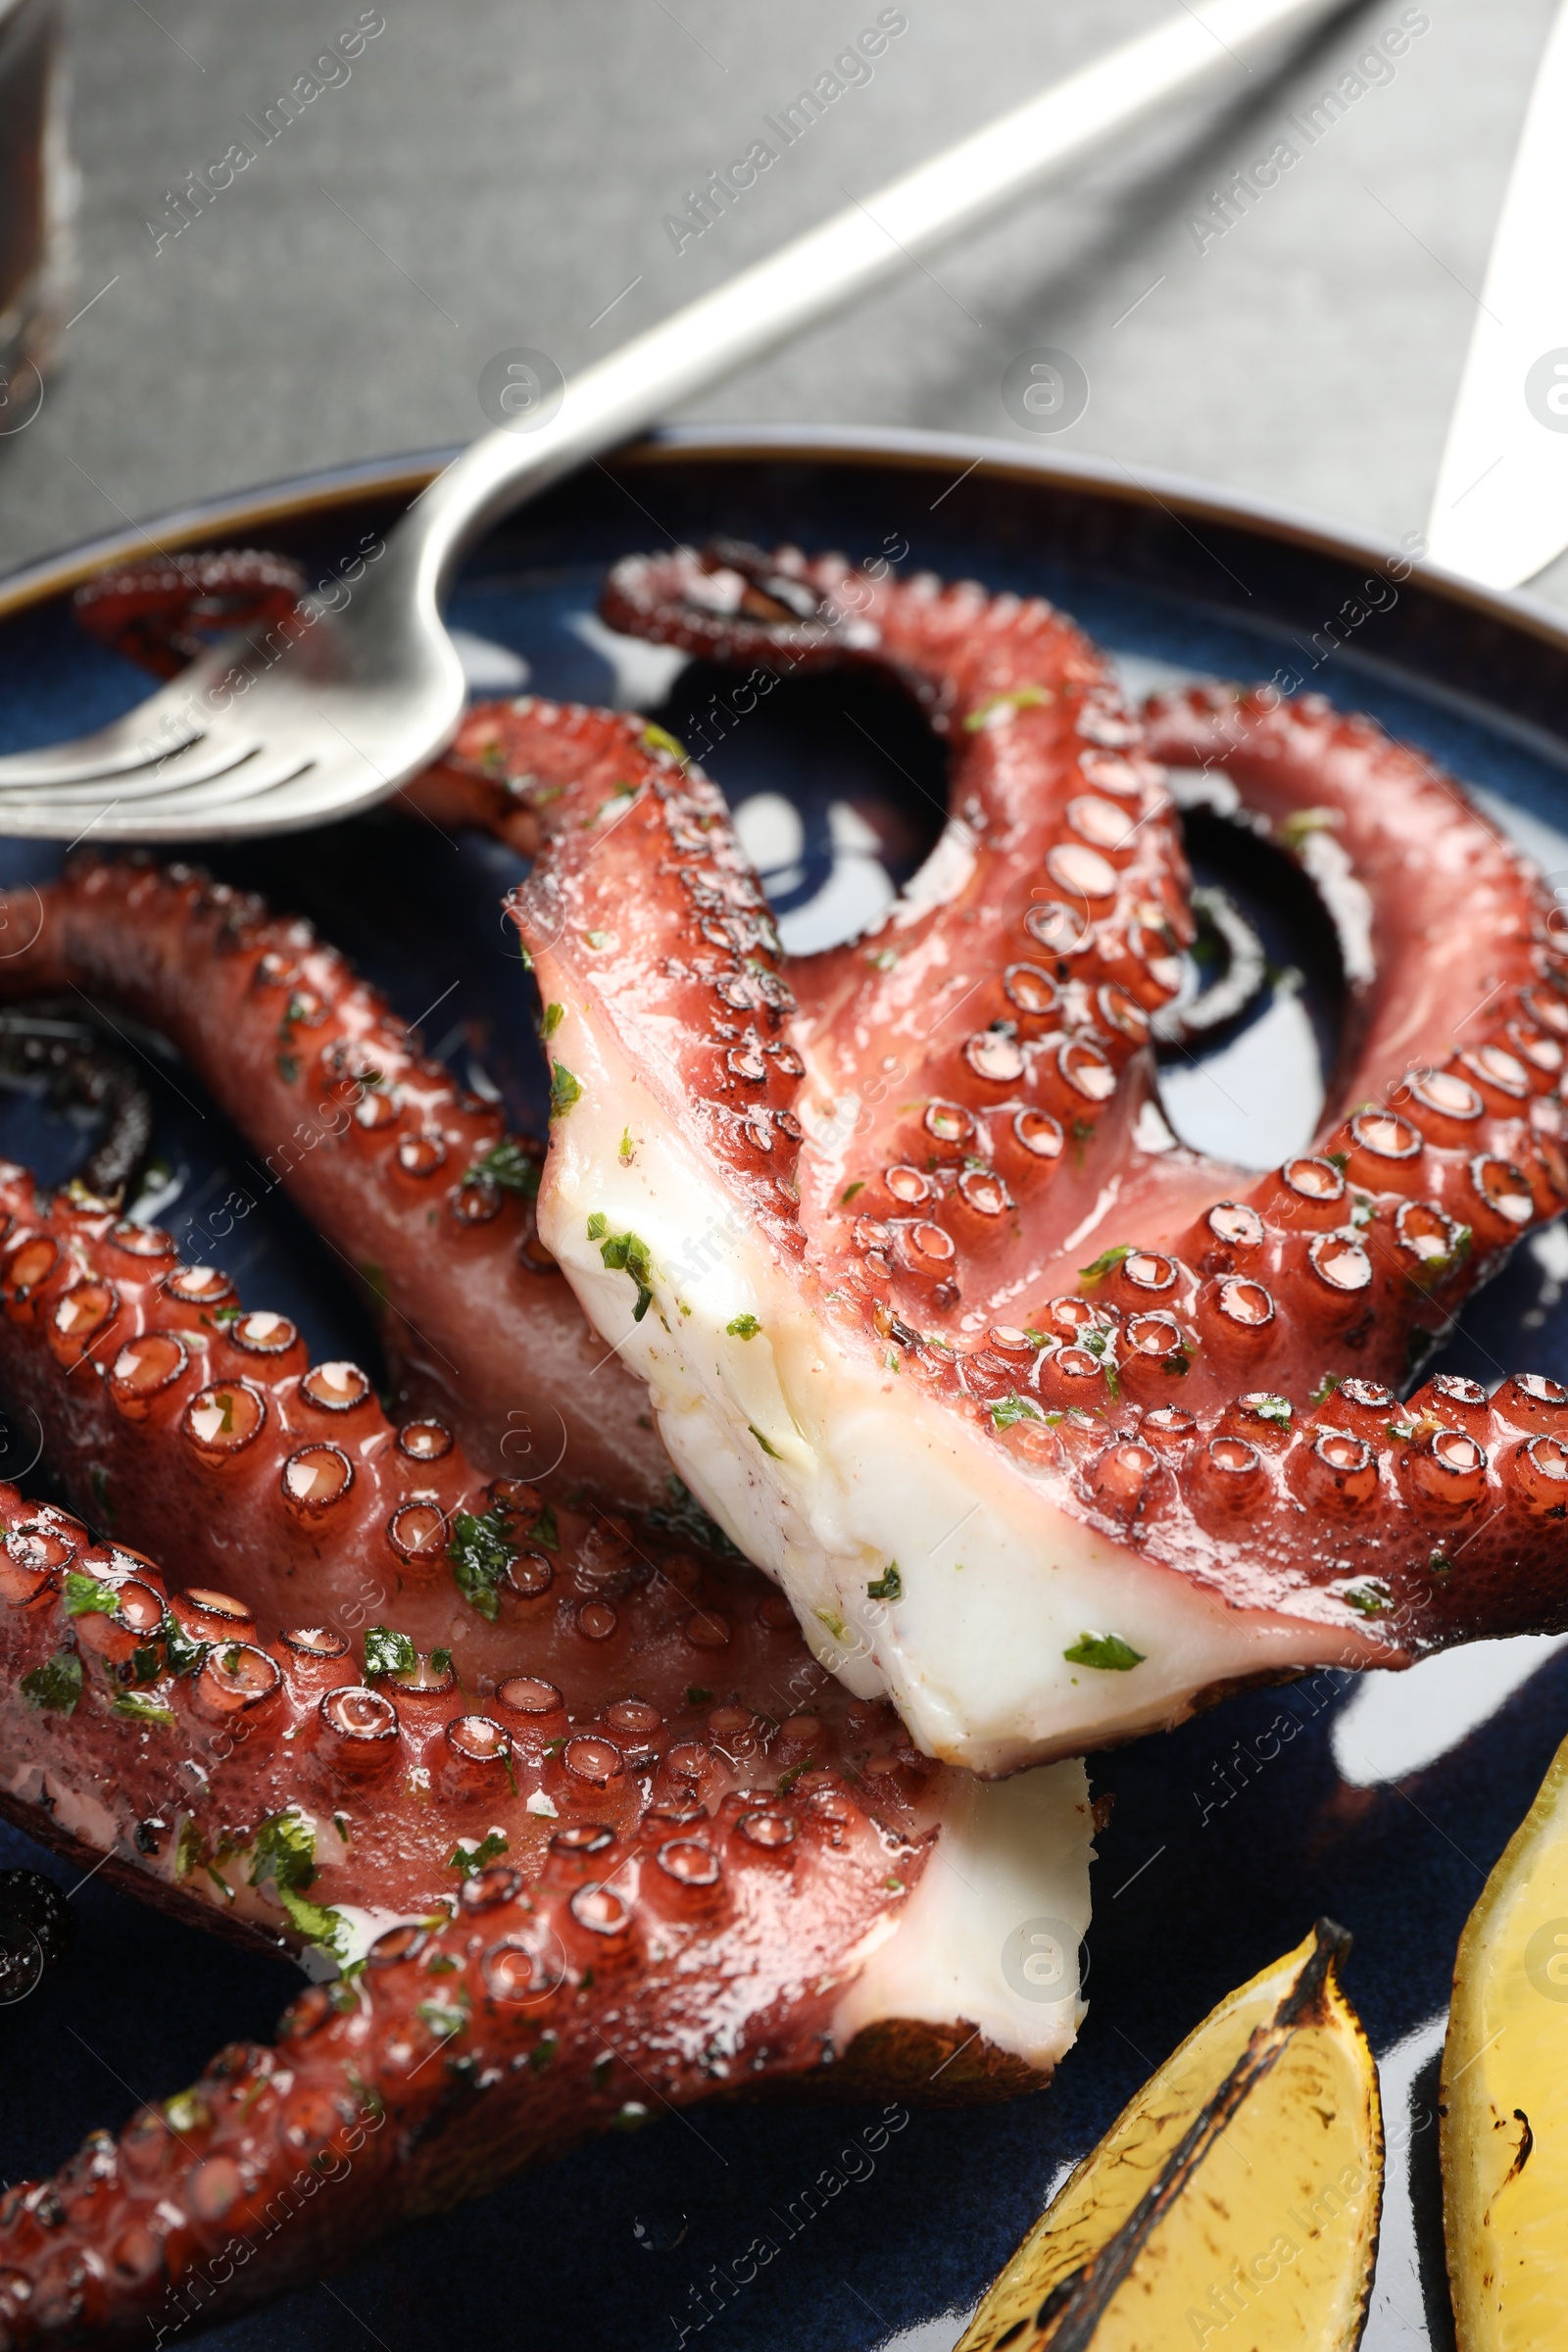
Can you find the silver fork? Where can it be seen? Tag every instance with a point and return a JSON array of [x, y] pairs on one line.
[[251, 739]]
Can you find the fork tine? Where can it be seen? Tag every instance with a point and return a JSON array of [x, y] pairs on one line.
[[203, 758], [161, 727]]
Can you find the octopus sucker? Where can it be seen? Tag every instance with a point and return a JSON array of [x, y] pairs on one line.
[[416, 1184], [590, 1887], [931, 1313]]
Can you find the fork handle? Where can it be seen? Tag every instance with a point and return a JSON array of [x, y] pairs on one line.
[[834, 265]]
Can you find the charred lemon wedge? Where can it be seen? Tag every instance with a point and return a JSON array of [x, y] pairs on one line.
[[1504, 2102], [1233, 2204]]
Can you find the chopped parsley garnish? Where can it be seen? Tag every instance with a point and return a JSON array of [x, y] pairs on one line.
[[743, 1327], [441, 1660], [480, 1554], [469, 1858], [564, 1089], [1036, 1338], [1105, 1262], [1325, 1388], [771, 1451], [889, 1584], [1293, 830], [1008, 1410], [284, 1851], [1107, 1652], [1438, 1564], [628, 1149], [288, 1067], [147, 1663], [441, 2019], [327, 1927], [1277, 1409], [551, 1020], [684, 1516], [187, 1848], [659, 739], [508, 1164], [850, 1191], [182, 1653], [1338, 1160], [85, 1597], [598, 1226], [697, 1696], [624, 1253], [1019, 698], [55, 1685], [1370, 1600], [142, 1710], [387, 1652]]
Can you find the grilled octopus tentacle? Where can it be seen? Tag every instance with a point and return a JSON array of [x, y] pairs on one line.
[[182, 1420], [416, 1183], [597, 1886], [903, 1307]]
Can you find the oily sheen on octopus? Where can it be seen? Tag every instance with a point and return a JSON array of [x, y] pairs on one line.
[[416, 1184], [584, 1888], [935, 1312]]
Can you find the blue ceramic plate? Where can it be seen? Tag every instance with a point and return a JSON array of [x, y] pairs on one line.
[[1384, 1806]]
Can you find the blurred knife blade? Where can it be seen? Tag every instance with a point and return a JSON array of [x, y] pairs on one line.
[[1500, 513]]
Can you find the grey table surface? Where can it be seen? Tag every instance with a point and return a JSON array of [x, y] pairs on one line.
[[490, 175]]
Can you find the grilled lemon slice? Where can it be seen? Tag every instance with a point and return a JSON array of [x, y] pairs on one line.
[[1504, 2104], [1233, 2204]]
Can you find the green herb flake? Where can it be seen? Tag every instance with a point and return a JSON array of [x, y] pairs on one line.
[[142, 1710], [684, 1516], [850, 1191], [551, 1020], [480, 1554], [388, 1652], [598, 1226], [1107, 1652], [470, 1858], [1401, 1431], [624, 1253], [835, 1624], [1021, 698], [1010, 1409], [564, 1089], [441, 1660], [1103, 1263], [543, 2051], [187, 1848], [441, 2018], [1325, 1388], [187, 2111], [283, 1850], [597, 939], [1370, 1599], [1338, 1160], [147, 1663], [85, 1597], [628, 1149], [743, 1327], [659, 739], [771, 1451], [317, 1925], [1438, 1564], [510, 1166], [56, 1685], [1294, 830], [182, 1653], [697, 1696], [889, 1584], [1277, 1409]]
